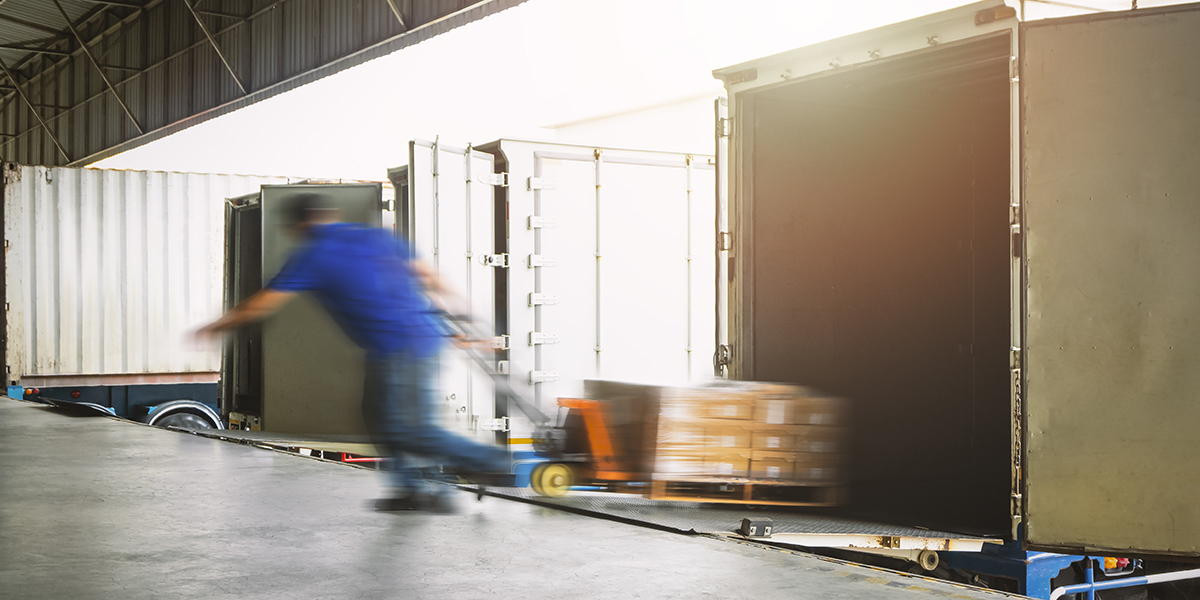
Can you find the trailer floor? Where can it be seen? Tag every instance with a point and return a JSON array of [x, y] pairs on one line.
[[94, 507]]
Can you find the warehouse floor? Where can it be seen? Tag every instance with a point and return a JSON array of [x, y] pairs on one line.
[[93, 507]]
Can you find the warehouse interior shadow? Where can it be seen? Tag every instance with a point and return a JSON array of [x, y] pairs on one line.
[[881, 272]]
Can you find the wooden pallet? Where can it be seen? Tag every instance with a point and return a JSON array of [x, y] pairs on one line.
[[765, 492]]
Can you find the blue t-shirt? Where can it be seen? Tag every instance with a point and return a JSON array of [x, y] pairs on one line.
[[362, 277]]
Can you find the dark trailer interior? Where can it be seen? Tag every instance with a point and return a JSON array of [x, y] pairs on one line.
[[876, 211]]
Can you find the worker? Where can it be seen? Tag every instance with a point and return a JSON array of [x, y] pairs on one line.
[[377, 291]]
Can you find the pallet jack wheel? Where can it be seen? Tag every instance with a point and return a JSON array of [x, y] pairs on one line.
[[553, 480]]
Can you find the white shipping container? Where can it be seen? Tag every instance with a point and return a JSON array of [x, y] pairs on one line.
[[610, 261], [106, 273]]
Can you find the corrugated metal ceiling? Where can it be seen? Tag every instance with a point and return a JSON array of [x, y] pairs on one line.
[[165, 65]]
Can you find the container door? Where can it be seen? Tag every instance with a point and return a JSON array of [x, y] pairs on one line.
[[241, 367], [612, 267], [721, 356], [1111, 144], [312, 373], [449, 219]]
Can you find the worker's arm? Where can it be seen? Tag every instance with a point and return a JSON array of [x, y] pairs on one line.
[[255, 308], [445, 296]]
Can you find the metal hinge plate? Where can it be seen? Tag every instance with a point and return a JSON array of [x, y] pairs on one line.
[[501, 424], [536, 299], [500, 179], [541, 183], [542, 222], [537, 260], [536, 338], [500, 342], [724, 241], [724, 127], [542, 376], [494, 260]]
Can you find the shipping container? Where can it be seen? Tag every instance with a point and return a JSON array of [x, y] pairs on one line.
[[106, 274], [592, 263], [983, 232]]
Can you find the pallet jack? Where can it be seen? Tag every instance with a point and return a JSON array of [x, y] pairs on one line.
[[577, 444]]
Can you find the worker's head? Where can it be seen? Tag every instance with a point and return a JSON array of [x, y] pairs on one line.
[[300, 212]]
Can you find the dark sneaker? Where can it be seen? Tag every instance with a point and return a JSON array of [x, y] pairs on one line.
[[396, 503]]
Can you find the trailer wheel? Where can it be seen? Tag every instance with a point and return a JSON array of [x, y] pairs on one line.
[[928, 559], [184, 414], [553, 480]]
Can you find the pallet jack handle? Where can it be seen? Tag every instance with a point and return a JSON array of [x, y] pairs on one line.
[[464, 329]]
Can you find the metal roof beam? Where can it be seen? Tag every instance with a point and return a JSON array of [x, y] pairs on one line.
[[396, 11], [216, 47], [206, 12], [99, 69], [30, 24], [33, 110]]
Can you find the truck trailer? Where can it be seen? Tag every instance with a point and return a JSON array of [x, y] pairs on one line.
[[983, 231]]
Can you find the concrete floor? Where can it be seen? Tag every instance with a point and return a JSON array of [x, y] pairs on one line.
[[91, 507]]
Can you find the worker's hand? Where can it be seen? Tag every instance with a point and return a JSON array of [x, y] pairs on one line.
[[206, 336]]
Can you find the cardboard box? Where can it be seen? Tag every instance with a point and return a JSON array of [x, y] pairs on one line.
[[774, 437], [770, 464], [726, 435], [727, 464], [775, 410], [667, 465]]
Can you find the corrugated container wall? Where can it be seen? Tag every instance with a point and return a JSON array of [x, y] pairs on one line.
[[106, 272]]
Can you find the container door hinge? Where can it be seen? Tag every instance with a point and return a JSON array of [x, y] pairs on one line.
[[542, 222], [501, 424], [724, 241], [499, 261], [536, 338], [542, 376], [536, 299], [537, 260], [1014, 359], [541, 183], [500, 179], [500, 342], [387, 205], [722, 359], [724, 127]]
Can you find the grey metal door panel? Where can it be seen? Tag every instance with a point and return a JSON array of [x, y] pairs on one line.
[[312, 373], [1111, 142]]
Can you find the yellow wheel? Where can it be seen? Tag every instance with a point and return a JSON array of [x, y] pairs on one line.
[[554, 480], [535, 478]]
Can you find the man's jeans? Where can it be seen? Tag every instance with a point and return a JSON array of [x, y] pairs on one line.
[[401, 412]]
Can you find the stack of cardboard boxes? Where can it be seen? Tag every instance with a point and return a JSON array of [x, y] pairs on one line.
[[759, 431]]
